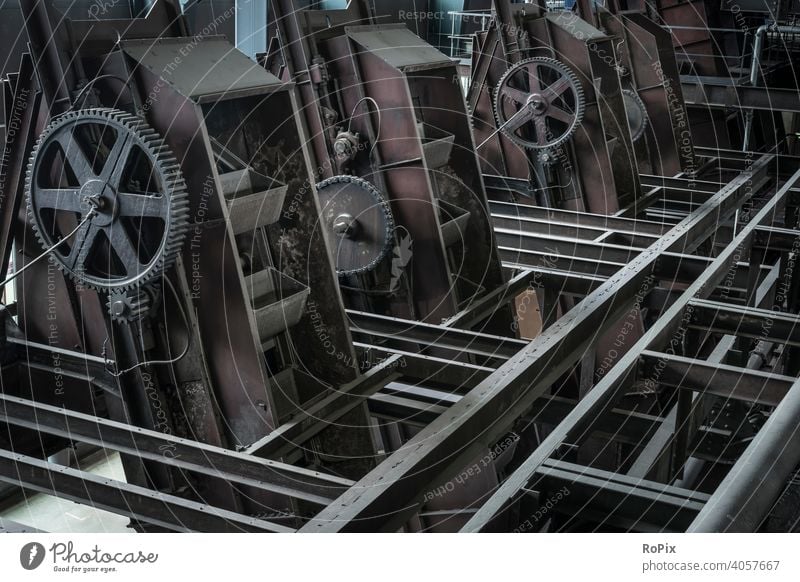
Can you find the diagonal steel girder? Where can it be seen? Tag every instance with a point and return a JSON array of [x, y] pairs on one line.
[[184, 454], [386, 497], [578, 423]]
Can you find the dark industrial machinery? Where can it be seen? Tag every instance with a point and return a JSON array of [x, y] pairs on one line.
[[280, 290], [172, 210], [544, 94], [736, 70], [651, 91], [403, 203]]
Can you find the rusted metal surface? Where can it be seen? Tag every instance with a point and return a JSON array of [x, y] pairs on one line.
[[254, 385]]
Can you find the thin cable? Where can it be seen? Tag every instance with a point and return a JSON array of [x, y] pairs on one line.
[[158, 362], [502, 127], [16, 274], [83, 92], [380, 122]]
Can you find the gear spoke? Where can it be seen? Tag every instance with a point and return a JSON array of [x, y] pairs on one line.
[[74, 156], [519, 119], [515, 95], [541, 130], [142, 206], [556, 89], [554, 102], [60, 199], [561, 115], [533, 78], [126, 248], [82, 243], [117, 158]]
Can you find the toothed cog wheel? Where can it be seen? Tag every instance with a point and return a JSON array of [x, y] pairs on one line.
[[636, 112], [128, 305], [357, 222], [547, 157], [109, 162], [539, 103]]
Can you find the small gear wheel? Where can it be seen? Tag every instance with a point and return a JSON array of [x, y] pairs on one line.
[[539, 103], [357, 222], [128, 306], [547, 157], [636, 112], [109, 162]]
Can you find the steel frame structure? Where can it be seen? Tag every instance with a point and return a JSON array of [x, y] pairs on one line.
[[705, 261], [389, 494], [733, 64], [397, 97]]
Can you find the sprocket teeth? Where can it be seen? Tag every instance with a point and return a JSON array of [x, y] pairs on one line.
[[387, 212], [164, 164], [631, 99], [575, 87]]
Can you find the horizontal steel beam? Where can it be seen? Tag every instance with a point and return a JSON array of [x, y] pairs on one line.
[[717, 379], [389, 494], [440, 337], [581, 420], [462, 376], [568, 247], [161, 509], [750, 322], [71, 364], [780, 239], [315, 416], [721, 92], [176, 452], [677, 183], [487, 305], [745, 496], [604, 493], [576, 219], [542, 226]]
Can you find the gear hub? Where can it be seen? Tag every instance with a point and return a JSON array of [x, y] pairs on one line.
[[357, 222], [539, 103]]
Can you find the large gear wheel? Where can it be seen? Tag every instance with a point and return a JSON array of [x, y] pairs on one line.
[[357, 222], [539, 103], [636, 112], [110, 162]]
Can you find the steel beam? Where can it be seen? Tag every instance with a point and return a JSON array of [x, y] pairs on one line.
[[745, 496], [724, 92], [639, 501], [577, 219], [750, 322], [313, 417], [578, 424], [484, 307], [394, 330], [176, 452], [389, 494], [719, 379], [160, 509]]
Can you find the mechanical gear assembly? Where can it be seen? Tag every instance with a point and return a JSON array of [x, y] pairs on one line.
[[111, 162], [357, 221], [539, 103]]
